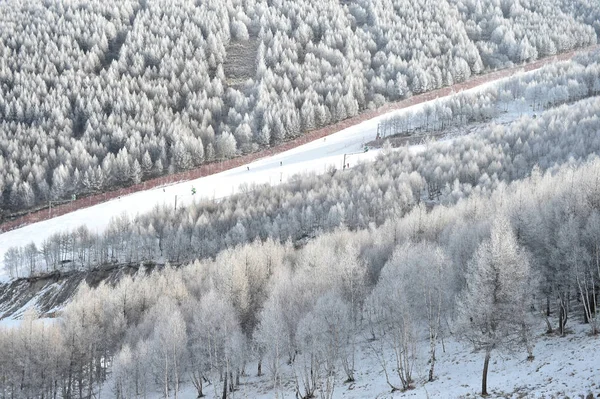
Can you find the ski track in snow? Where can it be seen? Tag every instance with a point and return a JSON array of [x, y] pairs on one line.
[[315, 156]]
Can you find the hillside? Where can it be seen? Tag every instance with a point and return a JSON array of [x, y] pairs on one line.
[[300, 199], [474, 111], [563, 367], [283, 298], [97, 95], [387, 274]]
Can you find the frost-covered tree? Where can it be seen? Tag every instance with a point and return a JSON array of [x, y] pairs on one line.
[[493, 309], [426, 276]]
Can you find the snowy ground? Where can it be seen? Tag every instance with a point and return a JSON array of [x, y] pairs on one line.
[[14, 323], [315, 156], [564, 367]]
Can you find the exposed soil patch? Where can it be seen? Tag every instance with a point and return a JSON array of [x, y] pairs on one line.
[[241, 62], [50, 292]]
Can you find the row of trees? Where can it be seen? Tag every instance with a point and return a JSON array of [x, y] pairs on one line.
[[504, 30], [96, 95], [487, 270], [528, 93], [370, 193]]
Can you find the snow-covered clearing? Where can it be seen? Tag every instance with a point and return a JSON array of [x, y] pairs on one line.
[[313, 157]]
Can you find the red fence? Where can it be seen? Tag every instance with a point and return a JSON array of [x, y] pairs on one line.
[[216, 167]]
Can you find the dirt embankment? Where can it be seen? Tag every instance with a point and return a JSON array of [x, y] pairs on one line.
[[50, 292]]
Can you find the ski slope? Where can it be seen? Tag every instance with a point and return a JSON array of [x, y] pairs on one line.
[[316, 156]]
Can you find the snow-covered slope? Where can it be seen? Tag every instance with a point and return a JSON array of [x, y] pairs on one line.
[[563, 367], [315, 156]]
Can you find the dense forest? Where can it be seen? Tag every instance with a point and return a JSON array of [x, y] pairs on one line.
[[102, 94]]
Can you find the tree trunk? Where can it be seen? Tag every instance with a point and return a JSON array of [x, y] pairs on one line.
[[486, 363], [80, 381], [91, 371], [585, 301], [166, 377], [549, 328], [432, 360], [562, 315], [589, 307], [225, 386]]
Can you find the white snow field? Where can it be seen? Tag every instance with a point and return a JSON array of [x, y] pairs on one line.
[[315, 156]]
